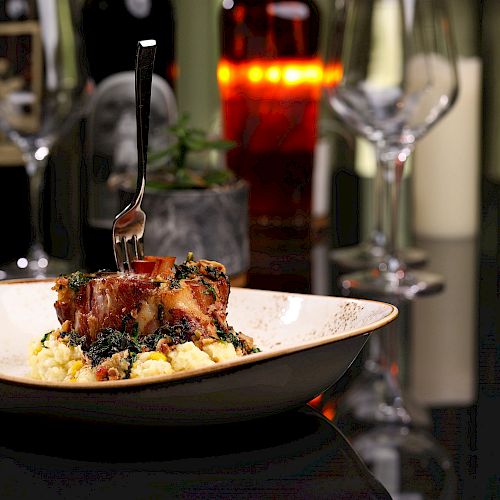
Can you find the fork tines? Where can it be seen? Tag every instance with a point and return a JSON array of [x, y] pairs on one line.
[[127, 250]]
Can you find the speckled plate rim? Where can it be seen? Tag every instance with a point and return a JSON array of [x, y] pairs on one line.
[[218, 368]]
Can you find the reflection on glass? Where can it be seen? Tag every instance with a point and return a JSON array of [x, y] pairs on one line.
[[388, 430]]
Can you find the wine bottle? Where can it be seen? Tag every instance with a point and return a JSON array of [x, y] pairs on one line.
[[269, 77], [112, 29], [13, 177]]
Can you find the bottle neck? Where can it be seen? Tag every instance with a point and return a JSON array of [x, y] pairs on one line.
[[266, 29]]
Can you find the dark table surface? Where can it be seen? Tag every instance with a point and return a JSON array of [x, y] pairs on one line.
[[295, 455]]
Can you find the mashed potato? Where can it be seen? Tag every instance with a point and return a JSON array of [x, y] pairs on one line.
[[148, 364], [220, 351], [188, 357], [54, 359]]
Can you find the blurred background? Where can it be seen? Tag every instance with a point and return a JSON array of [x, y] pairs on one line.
[[307, 197]]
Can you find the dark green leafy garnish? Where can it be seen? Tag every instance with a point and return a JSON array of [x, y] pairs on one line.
[[214, 273], [184, 271], [149, 342], [255, 350], [210, 290], [74, 338], [160, 314], [178, 333], [174, 283], [78, 279], [229, 335], [135, 332], [125, 320], [45, 337], [110, 342]]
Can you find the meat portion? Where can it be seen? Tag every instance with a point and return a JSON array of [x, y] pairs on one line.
[[194, 293]]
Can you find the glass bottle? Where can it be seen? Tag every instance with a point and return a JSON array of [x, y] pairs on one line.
[[269, 77], [270, 81]]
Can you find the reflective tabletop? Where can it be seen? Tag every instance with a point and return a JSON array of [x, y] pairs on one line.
[[295, 455]]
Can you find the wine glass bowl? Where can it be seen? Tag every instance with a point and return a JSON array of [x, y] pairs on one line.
[[398, 79], [43, 86]]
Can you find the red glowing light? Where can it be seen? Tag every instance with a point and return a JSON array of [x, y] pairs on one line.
[[316, 402], [223, 74], [270, 109], [273, 74], [287, 73], [329, 410], [283, 72], [255, 74], [332, 74]]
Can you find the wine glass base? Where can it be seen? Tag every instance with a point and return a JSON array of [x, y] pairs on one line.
[[401, 284], [369, 401], [409, 462], [366, 256]]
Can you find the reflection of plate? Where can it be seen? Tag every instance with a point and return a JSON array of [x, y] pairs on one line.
[[307, 341]]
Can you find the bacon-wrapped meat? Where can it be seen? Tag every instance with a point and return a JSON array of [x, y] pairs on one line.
[[193, 294]]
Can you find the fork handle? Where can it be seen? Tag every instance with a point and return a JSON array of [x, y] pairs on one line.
[[145, 56]]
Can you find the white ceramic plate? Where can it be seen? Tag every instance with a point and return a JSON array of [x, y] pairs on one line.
[[307, 343]]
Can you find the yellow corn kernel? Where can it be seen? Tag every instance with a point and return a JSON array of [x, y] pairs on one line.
[[158, 356], [37, 348], [75, 367]]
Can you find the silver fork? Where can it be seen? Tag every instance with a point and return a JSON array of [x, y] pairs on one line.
[[128, 226]]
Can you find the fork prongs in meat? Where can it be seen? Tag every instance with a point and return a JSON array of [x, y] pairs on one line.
[[128, 249]]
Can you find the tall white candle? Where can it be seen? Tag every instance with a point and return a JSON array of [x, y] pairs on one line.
[[447, 164], [442, 353]]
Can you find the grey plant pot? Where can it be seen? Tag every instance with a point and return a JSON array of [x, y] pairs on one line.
[[212, 223]]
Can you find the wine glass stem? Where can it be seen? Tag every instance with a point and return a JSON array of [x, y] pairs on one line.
[[378, 238], [35, 169], [391, 164], [384, 360]]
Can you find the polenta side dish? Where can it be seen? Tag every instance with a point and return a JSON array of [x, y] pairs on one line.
[[160, 319]]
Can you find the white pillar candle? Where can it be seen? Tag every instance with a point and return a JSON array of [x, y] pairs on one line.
[[321, 180], [442, 354], [447, 164]]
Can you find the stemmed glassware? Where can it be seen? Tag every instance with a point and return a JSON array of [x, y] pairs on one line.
[[398, 78], [370, 252], [389, 431], [43, 89]]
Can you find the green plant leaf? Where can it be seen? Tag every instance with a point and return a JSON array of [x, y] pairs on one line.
[[221, 144], [175, 158]]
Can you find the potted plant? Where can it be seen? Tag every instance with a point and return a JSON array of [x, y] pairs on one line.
[[193, 203]]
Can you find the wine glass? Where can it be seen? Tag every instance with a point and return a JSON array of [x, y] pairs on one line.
[[389, 431], [43, 89], [397, 78], [371, 251]]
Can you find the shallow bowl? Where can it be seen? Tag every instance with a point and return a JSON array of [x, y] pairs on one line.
[[307, 342]]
